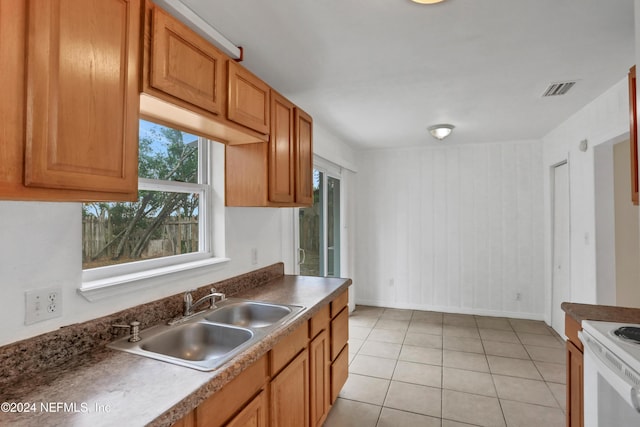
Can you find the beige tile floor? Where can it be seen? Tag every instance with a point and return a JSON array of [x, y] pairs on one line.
[[419, 368]]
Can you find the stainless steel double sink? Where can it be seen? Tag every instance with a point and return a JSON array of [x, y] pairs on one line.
[[212, 337]]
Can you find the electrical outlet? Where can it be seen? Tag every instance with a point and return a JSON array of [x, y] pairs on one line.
[[518, 296], [42, 304]]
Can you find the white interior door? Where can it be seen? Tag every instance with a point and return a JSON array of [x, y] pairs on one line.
[[561, 232]]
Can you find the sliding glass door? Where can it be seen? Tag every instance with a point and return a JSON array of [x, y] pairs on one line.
[[319, 228]]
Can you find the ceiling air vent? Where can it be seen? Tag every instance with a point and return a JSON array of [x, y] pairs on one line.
[[557, 89]]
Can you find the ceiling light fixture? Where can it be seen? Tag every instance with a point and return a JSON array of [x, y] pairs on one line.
[[440, 132], [427, 1]]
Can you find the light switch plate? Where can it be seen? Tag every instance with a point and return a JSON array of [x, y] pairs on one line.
[[42, 304]]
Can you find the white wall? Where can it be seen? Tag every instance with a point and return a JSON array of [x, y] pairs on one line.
[[603, 121], [627, 232], [454, 229], [41, 247]]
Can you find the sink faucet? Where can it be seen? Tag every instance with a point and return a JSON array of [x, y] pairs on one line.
[[189, 305]]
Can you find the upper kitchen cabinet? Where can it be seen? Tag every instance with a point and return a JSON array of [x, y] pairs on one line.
[[248, 99], [184, 65], [304, 158], [184, 81], [278, 173], [81, 97], [281, 150]]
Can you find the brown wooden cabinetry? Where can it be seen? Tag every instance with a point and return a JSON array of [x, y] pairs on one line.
[[339, 347], [281, 150], [276, 173], [304, 158], [575, 386], [253, 415], [184, 81], [633, 135], [188, 420], [319, 364], [575, 377], [70, 99], [224, 404], [247, 99], [184, 65], [294, 385], [290, 394]]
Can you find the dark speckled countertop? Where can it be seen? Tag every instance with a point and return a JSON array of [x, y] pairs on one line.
[[605, 313], [112, 388]]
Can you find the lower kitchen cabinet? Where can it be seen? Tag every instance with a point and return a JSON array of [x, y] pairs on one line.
[[253, 415], [319, 377], [294, 385], [575, 376], [188, 420], [339, 370], [290, 394], [339, 373], [575, 386], [219, 408]]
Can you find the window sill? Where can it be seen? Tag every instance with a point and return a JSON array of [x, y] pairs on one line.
[[95, 290]]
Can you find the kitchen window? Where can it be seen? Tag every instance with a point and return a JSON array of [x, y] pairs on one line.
[[169, 228]]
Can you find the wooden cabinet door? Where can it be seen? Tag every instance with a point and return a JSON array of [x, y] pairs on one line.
[[185, 65], [290, 394], [253, 415], [319, 379], [304, 158], [82, 95], [247, 99], [575, 386], [281, 150], [633, 135]]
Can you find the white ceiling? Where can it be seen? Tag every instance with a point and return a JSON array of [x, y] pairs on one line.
[[377, 73]]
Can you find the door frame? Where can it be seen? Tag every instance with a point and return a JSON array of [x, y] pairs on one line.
[[552, 203], [330, 170]]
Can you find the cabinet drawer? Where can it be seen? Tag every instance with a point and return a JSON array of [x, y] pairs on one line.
[[339, 303], [339, 373], [339, 332], [319, 322], [226, 402], [288, 348]]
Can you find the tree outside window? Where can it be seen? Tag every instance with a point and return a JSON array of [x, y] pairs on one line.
[[165, 220]]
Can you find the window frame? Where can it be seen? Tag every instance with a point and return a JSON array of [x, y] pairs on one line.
[[100, 282]]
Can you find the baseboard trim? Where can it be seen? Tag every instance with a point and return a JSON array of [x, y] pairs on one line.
[[456, 310]]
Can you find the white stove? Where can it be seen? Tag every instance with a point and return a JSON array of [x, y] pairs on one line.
[[627, 350], [611, 374]]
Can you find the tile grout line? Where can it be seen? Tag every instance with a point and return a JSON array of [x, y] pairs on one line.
[[404, 343]]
